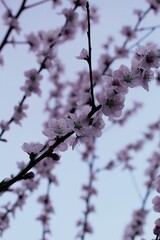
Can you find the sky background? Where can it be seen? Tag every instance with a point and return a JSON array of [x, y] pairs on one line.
[[113, 206]]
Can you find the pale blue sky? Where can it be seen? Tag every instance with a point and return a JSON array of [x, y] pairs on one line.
[[113, 207]]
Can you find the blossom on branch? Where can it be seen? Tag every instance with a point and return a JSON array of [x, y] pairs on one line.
[[84, 55], [19, 113], [56, 128], [11, 21], [148, 56], [33, 42], [128, 32], [112, 104], [32, 147], [32, 82], [155, 5]]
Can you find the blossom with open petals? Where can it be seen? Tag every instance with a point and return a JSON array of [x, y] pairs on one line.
[[56, 128], [32, 147]]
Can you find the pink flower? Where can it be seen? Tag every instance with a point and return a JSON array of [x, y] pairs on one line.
[[33, 42], [45, 56], [115, 83], [135, 227], [121, 52], [4, 221], [45, 167], [49, 37], [142, 76], [56, 128], [128, 32], [157, 181], [97, 125], [84, 98], [125, 76], [11, 21], [78, 123], [104, 61], [33, 75], [70, 15], [148, 57], [112, 104], [32, 82], [155, 5], [138, 12], [44, 218], [156, 204], [83, 55], [157, 222], [32, 147], [4, 125], [19, 113], [63, 146]]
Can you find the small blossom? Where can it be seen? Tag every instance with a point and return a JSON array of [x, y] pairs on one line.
[[155, 5], [84, 98], [45, 57], [115, 83], [125, 76], [32, 82], [43, 218], [32, 147], [112, 104], [157, 181], [84, 55], [148, 56], [33, 41], [156, 204], [121, 52], [56, 128], [33, 75], [11, 21], [70, 15], [63, 146], [138, 12], [78, 123], [45, 167], [135, 227], [4, 125], [97, 125], [19, 113], [128, 32]]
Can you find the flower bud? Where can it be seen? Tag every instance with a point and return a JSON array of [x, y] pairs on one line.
[[55, 156]]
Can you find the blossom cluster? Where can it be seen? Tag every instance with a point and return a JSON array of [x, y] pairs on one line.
[[156, 206], [84, 126], [136, 225], [117, 85], [93, 96], [32, 82]]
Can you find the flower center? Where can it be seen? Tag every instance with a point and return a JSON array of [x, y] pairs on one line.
[[110, 103], [78, 125], [127, 78]]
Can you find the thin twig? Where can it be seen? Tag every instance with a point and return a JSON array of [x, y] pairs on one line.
[[141, 39], [36, 4], [21, 9], [5, 5], [90, 54]]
